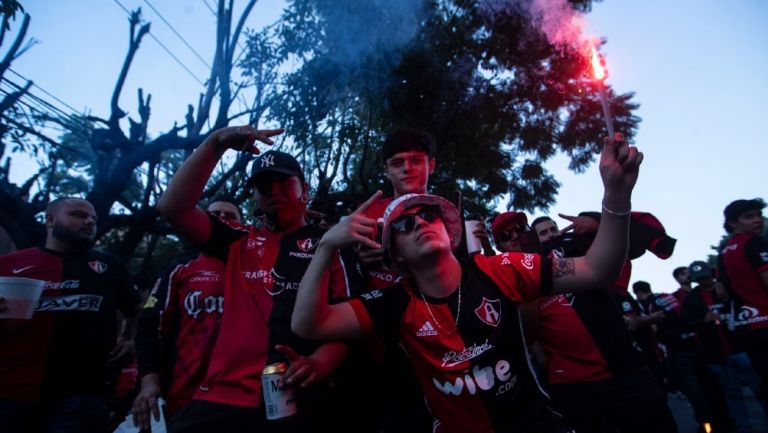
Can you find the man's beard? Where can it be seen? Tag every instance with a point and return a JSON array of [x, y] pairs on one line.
[[71, 237]]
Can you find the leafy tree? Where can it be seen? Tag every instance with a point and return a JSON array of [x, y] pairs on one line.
[[498, 97], [114, 162]]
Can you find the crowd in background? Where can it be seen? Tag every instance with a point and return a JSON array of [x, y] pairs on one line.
[[363, 318]]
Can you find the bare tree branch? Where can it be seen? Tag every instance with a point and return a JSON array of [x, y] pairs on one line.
[[133, 46], [14, 48]]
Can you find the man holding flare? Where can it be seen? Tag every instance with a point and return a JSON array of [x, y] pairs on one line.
[[457, 320]]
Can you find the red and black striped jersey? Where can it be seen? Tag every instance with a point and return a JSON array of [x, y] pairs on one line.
[[572, 354], [715, 347], [179, 325], [672, 332], [471, 362], [742, 261], [63, 349], [261, 277]]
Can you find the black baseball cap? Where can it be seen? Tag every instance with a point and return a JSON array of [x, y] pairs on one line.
[[738, 207], [274, 161]]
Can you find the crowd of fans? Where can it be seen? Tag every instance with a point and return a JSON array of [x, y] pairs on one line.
[[389, 320]]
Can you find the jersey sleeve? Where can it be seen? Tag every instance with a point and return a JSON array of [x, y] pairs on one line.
[[380, 311], [222, 236], [756, 250], [520, 276], [154, 328], [338, 289]]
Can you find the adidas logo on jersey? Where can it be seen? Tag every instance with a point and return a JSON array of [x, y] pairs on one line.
[[426, 330]]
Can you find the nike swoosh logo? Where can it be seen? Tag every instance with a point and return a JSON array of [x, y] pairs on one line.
[[18, 270]]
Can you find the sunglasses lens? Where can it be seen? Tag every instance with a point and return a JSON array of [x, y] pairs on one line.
[[429, 214], [404, 224]]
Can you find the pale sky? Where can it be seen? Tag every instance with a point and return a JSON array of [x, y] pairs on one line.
[[699, 69]]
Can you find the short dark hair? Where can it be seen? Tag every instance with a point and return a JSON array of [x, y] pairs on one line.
[[407, 139], [641, 287], [733, 211], [226, 198], [54, 205], [679, 270], [540, 219]]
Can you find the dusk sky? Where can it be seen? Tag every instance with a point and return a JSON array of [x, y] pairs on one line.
[[699, 70]]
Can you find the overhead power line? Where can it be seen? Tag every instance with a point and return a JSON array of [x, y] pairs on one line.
[[177, 34], [45, 91], [167, 50]]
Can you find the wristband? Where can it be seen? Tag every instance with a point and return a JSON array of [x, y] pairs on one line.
[[614, 213]]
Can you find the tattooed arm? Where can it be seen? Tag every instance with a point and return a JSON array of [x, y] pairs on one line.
[[619, 167]]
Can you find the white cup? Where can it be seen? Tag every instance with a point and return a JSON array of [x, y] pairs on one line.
[[473, 242], [21, 296]]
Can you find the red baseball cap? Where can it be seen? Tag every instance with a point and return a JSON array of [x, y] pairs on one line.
[[506, 220]]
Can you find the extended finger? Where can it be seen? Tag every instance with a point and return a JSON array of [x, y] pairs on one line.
[[363, 207], [263, 135], [622, 151], [567, 217], [140, 411], [153, 406], [609, 150], [366, 241], [568, 228]]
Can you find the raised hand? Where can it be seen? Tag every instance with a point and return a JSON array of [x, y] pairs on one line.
[[354, 229], [242, 138], [579, 224], [619, 168]]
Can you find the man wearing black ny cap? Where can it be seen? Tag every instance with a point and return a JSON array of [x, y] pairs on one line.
[[263, 267], [743, 264]]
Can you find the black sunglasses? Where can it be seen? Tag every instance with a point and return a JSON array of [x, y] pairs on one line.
[[406, 223], [507, 234]]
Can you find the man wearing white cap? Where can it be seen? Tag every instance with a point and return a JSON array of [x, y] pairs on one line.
[[457, 320]]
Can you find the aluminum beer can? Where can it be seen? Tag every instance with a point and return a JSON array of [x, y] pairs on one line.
[[278, 402]]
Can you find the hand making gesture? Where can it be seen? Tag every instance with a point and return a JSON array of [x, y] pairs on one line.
[[354, 229], [242, 138]]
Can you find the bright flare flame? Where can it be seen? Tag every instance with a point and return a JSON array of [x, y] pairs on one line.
[[597, 66], [707, 427]]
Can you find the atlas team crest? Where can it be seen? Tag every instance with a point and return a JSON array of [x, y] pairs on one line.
[[98, 266], [489, 311], [308, 244]]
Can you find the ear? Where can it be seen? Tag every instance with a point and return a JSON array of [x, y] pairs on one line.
[[49, 220], [431, 165], [386, 172]]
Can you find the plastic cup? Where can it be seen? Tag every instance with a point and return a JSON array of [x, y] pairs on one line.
[[473, 242], [21, 296]]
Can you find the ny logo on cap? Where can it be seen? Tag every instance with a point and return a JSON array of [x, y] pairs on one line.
[[267, 161]]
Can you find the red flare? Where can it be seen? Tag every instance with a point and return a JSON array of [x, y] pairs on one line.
[[598, 70]]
